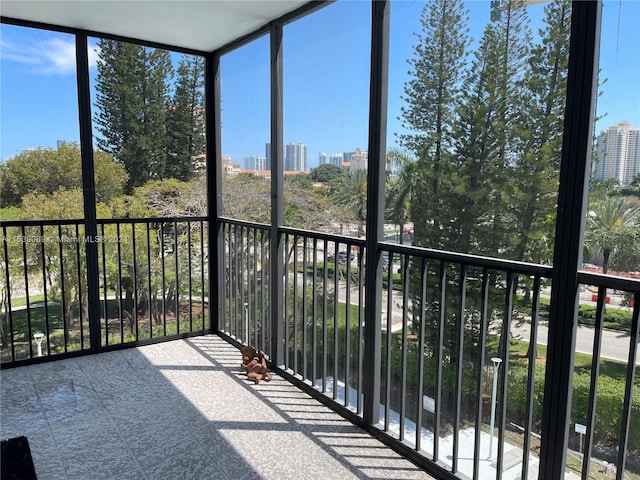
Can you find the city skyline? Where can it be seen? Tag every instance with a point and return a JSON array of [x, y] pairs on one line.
[[333, 119]]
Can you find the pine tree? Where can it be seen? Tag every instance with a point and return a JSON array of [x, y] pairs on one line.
[[131, 97], [487, 137], [185, 120], [431, 95], [538, 164]]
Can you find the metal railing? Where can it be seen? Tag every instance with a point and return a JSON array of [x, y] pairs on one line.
[[152, 279], [463, 348]]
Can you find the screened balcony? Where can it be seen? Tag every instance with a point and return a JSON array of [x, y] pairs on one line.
[[432, 363]]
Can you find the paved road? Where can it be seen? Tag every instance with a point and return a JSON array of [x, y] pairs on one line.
[[615, 344]]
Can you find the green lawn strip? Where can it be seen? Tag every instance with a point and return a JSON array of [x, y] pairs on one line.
[[22, 301]]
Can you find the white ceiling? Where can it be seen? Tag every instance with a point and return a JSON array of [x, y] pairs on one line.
[[203, 25]]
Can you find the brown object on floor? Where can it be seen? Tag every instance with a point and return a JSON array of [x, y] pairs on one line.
[[255, 363]]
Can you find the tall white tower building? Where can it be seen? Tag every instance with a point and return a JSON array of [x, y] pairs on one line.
[[618, 153], [255, 163], [295, 157]]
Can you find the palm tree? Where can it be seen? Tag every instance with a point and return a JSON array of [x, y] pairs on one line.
[[401, 190], [609, 224], [351, 191]]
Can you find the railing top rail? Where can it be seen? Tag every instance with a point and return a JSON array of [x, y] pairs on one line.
[[245, 223], [609, 281], [100, 221], [525, 268], [37, 223], [360, 242], [151, 220]]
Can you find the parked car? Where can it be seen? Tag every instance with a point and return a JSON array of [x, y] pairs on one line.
[[342, 256]]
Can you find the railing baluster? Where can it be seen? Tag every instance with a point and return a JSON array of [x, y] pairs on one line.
[[304, 310], [190, 275], [65, 330], [442, 311], [176, 293], [242, 317], [628, 390], [314, 307], [255, 258], [44, 289], [336, 299], [424, 266], [79, 270], [164, 286], [361, 257], [264, 276], [286, 301], [593, 388], [404, 345], [134, 266], [389, 345], [531, 376], [203, 292], [347, 333], [482, 347], [120, 315], [294, 320], [25, 269], [105, 309], [150, 294], [325, 308], [462, 295], [7, 274], [504, 348]]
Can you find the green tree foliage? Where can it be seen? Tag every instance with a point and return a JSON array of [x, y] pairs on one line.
[[60, 251], [431, 95], [132, 94], [185, 121], [400, 191], [326, 172], [486, 140], [44, 171], [537, 159], [613, 227], [350, 191]]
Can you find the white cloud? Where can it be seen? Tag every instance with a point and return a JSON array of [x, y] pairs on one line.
[[49, 56]]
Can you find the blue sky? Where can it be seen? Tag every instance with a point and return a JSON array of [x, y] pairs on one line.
[[326, 80]]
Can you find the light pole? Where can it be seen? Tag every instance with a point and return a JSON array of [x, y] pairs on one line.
[[496, 365], [38, 338]]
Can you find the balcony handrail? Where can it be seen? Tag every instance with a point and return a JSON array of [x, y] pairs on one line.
[[609, 281], [99, 221], [470, 259]]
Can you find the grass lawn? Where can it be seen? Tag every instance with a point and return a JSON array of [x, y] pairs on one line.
[[582, 362]]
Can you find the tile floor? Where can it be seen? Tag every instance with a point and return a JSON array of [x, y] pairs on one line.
[[181, 410]]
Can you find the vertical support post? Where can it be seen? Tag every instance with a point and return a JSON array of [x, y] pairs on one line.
[[276, 252], [88, 189], [215, 239], [380, 15], [572, 196]]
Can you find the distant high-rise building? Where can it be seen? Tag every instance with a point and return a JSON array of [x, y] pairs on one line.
[[618, 153], [322, 158], [255, 163], [295, 157], [355, 160], [336, 159], [267, 156]]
